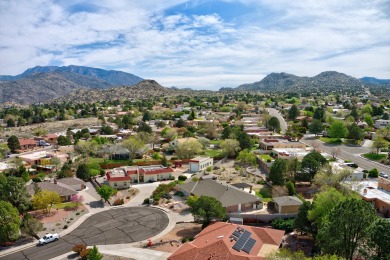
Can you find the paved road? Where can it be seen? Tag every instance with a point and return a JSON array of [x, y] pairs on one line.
[[347, 152], [275, 112], [116, 226]]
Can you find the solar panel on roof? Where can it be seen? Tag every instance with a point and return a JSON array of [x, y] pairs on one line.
[[236, 233], [249, 245], [234, 237], [241, 241]]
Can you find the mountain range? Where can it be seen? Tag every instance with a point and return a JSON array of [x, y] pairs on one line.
[[323, 82], [40, 84], [86, 84]]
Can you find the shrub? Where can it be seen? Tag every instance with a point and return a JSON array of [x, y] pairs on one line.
[[208, 169], [283, 224], [65, 227], [146, 201], [195, 179], [68, 208], [77, 213], [179, 193], [174, 158], [172, 178], [36, 179], [58, 224], [261, 182], [373, 173], [118, 202], [167, 196], [71, 218], [364, 175], [84, 253], [155, 203], [182, 178], [168, 201], [128, 197]]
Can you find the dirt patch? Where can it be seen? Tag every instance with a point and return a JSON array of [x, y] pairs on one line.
[[171, 241], [51, 127], [58, 219]]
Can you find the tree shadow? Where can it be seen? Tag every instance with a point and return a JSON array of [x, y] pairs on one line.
[[73, 256], [96, 204]]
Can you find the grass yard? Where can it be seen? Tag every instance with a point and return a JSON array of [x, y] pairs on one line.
[[265, 157], [329, 140], [374, 156], [264, 193], [213, 153], [216, 142]]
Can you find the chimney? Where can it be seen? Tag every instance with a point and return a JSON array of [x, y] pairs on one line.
[[55, 181], [365, 191]]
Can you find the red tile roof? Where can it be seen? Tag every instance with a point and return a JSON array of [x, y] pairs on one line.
[[214, 242], [27, 142], [118, 178], [156, 171]]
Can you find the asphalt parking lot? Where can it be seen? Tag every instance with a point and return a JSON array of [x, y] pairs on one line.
[[115, 226]]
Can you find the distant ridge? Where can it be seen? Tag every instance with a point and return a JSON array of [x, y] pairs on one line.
[[41, 83], [284, 82], [372, 80]]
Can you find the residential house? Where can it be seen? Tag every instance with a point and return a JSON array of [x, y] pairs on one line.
[[63, 190], [178, 141], [287, 204], [381, 123], [231, 242], [378, 194], [26, 144], [122, 177], [200, 164], [269, 144], [51, 138], [233, 199], [75, 183]]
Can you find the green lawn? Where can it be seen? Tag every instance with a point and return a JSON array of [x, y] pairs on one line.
[[264, 193], [329, 140], [265, 157], [216, 142], [65, 204], [213, 153], [374, 156]]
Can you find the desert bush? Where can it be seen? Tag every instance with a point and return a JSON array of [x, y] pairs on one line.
[[65, 227], [78, 248], [182, 178], [118, 202], [146, 201]]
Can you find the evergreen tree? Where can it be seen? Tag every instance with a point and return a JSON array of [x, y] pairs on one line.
[[13, 143], [277, 171]]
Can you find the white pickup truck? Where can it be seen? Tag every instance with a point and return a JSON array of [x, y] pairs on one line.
[[48, 238]]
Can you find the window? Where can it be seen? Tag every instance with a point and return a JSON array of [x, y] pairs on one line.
[[115, 184], [125, 183]]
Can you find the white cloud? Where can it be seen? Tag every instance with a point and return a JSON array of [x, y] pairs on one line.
[[198, 50]]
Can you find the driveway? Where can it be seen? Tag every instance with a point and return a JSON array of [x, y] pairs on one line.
[[274, 112], [116, 226]]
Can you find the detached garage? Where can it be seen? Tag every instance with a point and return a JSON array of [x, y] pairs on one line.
[[200, 163]]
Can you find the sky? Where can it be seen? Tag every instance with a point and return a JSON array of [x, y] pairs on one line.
[[201, 44]]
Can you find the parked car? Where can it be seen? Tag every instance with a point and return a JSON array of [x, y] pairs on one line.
[[48, 238], [352, 165], [383, 175]]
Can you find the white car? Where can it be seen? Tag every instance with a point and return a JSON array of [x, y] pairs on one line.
[[48, 238], [383, 175]]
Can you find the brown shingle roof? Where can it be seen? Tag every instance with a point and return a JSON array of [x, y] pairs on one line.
[[227, 195], [61, 190]]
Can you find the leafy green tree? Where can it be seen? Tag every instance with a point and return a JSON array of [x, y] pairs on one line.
[[83, 172], [230, 147], [346, 227], [379, 143], [4, 150], [164, 161], [379, 238], [277, 171], [328, 177], [293, 112], [247, 157], [63, 140], [31, 226], [134, 145], [207, 208], [293, 168], [15, 192], [9, 222], [291, 188], [283, 224], [355, 132], [368, 119], [302, 222], [106, 192], [319, 114], [45, 200], [144, 127], [312, 162], [13, 143], [180, 123], [188, 149], [338, 129], [147, 116], [11, 122], [93, 254], [25, 175], [316, 127], [323, 203], [226, 132], [273, 124], [244, 140]]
